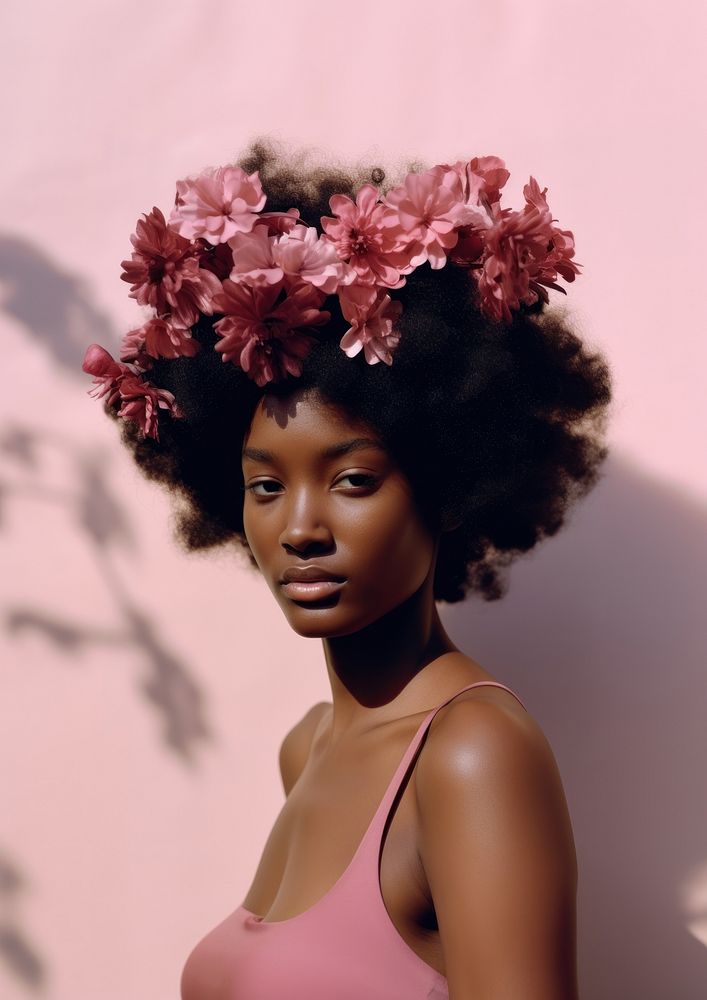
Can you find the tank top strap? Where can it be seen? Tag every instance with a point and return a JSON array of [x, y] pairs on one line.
[[375, 829]]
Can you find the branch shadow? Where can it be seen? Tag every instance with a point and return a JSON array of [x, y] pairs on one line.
[[65, 319], [56, 310], [104, 524], [20, 956], [62, 316]]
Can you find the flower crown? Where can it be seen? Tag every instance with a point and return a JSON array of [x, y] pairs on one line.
[[268, 274]]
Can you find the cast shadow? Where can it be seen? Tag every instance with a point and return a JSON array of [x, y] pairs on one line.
[[602, 635], [102, 523], [54, 306], [20, 957], [64, 319]]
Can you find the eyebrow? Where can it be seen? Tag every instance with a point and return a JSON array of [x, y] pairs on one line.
[[341, 448]]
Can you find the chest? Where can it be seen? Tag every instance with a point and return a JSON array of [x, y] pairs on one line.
[[318, 831]]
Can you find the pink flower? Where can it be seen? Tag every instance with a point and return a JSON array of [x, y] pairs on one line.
[[139, 399], [523, 251], [253, 260], [263, 327], [219, 202], [429, 206], [158, 338], [372, 314], [164, 272], [482, 179], [313, 258], [299, 254], [367, 236], [278, 222]]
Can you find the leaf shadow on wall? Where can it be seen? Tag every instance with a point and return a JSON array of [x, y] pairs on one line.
[[16, 950], [54, 306], [61, 475], [64, 321]]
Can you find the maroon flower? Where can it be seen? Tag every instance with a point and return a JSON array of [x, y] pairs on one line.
[[164, 272], [263, 327], [523, 254], [141, 402], [138, 399], [217, 259], [158, 338], [107, 372]]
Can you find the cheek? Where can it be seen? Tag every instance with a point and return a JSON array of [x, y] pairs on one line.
[[394, 555], [253, 531], [387, 548]]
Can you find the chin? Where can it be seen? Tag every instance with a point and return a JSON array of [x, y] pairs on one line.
[[311, 624], [317, 621]]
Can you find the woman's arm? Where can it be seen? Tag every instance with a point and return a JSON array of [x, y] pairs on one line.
[[497, 847]]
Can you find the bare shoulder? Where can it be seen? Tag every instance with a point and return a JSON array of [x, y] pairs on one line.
[[496, 843], [486, 741], [295, 747], [483, 725]]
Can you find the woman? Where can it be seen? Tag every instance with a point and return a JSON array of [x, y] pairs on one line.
[[424, 849]]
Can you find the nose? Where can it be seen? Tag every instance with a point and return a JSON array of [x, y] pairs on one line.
[[305, 525]]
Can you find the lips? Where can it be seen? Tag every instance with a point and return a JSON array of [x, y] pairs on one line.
[[309, 574], [314, 590], [310, 583]]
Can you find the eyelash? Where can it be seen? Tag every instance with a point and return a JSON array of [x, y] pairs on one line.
[[369, 481]]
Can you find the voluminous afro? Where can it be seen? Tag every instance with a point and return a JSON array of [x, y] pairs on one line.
[[498, 426]]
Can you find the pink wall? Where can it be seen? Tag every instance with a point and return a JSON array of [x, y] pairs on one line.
[[139, 780]]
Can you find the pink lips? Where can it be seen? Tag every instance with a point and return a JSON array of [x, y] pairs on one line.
[[314, 590]]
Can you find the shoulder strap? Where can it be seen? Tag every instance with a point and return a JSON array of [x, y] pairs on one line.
[[379, 820], [361, 878]]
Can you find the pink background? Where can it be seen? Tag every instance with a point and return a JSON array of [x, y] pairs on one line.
[[144, 693]]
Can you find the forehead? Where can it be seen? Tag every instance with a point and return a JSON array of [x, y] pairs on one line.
[[305, 423]]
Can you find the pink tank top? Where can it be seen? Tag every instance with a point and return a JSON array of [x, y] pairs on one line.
[[344, 946]]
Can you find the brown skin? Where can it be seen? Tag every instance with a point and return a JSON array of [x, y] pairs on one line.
[[478, 868]]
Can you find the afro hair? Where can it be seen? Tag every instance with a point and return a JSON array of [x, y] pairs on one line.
[[498, 426]]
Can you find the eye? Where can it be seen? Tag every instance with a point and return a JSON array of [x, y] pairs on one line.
[[364, 481], [367, 480], [261, 482]]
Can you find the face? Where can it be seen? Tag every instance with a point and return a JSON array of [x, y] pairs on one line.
[[321, 491]]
